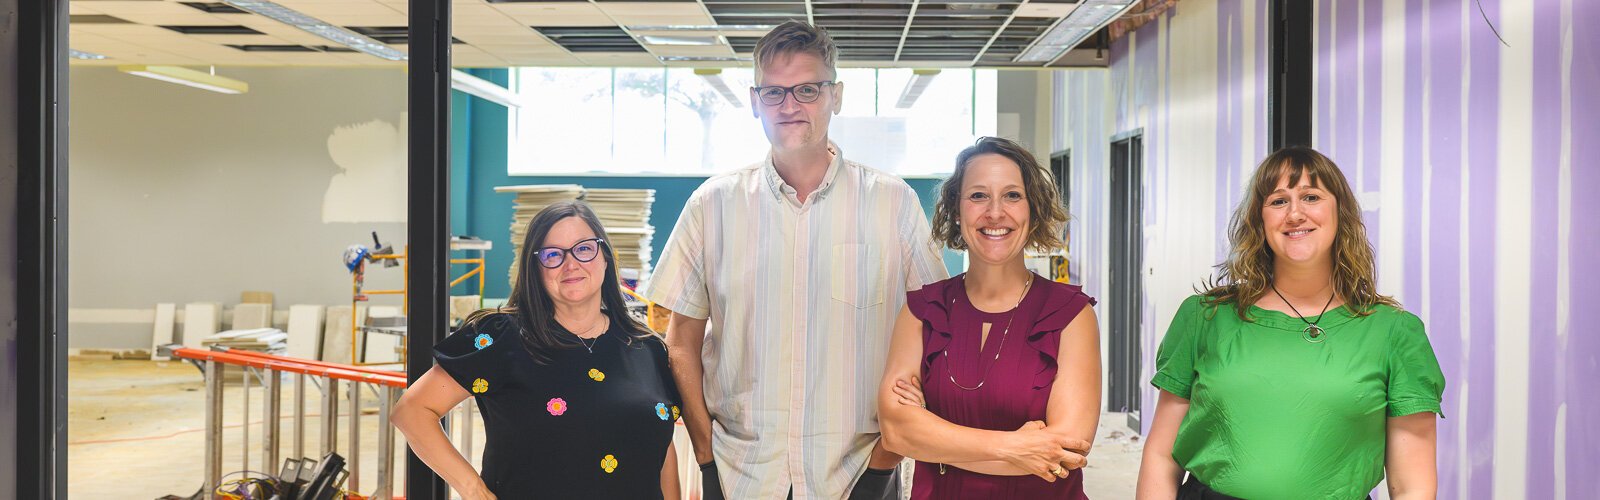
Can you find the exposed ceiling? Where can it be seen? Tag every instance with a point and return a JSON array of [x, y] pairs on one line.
[[702, 33]]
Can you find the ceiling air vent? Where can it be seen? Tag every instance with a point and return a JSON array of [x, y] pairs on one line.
[[214, 30], [215, 7]]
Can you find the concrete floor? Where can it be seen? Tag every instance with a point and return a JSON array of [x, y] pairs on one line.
[[136, 431]]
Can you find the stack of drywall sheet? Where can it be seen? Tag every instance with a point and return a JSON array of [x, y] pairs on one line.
[[530, 200], [625, 213], [267, 340]]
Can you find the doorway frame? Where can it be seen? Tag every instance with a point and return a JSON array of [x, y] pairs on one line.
[[1126, 275]]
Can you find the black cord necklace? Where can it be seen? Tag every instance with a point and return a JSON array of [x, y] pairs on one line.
[[1312, 333]]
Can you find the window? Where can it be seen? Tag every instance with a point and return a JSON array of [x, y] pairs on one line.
[[674, 121]]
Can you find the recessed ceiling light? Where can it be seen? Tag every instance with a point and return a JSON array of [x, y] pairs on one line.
[[682, 40], [78, 54]]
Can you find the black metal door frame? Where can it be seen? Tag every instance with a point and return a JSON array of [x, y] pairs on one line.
[[41, 238], [427, 209], [1127, 278], [1289, 105]]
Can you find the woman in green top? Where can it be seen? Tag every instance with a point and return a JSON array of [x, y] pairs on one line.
[[1290, 376]]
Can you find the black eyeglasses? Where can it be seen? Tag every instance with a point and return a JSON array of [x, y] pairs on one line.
[[804, 93], [583, 250]]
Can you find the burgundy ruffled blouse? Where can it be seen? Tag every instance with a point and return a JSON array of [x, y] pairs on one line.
[[1017, 387]]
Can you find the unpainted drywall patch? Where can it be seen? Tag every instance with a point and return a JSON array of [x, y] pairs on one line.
[[371, 183]]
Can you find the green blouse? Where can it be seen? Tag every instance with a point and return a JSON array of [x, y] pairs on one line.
[[1272, 415]]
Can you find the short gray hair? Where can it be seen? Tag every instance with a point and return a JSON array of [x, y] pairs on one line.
[[795, 37]]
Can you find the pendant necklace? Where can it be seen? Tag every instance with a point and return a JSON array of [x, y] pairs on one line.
[[1312, 333], [589, 346], [1003, 334]]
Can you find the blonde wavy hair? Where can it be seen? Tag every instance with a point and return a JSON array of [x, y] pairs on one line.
[[1247, 274]]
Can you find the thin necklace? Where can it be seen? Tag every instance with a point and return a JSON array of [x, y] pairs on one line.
[[1312, 333], [1003, 334], [589, 346]]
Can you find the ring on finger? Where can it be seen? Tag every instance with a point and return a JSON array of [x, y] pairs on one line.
[[1058, 471]]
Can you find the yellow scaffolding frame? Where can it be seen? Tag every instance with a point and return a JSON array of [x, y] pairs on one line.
[[357, 297]]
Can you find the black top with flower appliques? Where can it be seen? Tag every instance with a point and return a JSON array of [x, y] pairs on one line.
[[584, 425]]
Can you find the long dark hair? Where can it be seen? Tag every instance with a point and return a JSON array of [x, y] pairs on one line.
[[530, 304]]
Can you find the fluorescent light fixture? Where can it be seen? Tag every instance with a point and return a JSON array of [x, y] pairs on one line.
[[704, 40], [920, 78], [713, 76], [1089, 17], [704, 59], [189, 77], [78, 54], [359, 42], [487, 90]]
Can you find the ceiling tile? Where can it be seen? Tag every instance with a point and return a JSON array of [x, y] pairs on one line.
[[503, 50], [658, 13], [529, 38], [652, 8], [120, 29], [319, 10], [192, 18], [556, 14], [390, 19], [229, 39], [509, 27], [121, 8], [1045, 9]]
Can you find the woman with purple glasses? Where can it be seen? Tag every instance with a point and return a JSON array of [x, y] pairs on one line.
[[577, 401]]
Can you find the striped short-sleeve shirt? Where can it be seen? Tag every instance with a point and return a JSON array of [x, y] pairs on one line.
[[800, 300]]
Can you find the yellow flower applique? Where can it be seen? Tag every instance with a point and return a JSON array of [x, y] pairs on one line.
[[480, 386], [674, 412], [597, 375], [609, 463]]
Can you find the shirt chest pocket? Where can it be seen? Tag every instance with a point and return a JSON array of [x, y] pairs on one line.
[[857, 274]]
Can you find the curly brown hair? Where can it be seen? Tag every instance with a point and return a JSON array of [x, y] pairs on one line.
[[1247, 274], [1046, 217]]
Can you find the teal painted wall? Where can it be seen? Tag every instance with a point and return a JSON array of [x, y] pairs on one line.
[[478, 141]]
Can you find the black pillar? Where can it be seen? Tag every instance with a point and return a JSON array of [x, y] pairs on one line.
[[40, 154], [427, 208], [1289, 107]]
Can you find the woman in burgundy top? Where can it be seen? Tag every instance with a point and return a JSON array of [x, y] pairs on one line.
[[993, 377]]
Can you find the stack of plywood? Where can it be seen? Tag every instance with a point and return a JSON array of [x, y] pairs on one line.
[[267, 340], [625, 213], [530, 200]]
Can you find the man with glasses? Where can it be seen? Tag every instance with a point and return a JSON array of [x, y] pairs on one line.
[[784, 278]]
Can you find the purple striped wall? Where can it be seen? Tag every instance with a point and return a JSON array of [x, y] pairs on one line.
[[1451, 115], [1448, 105]]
